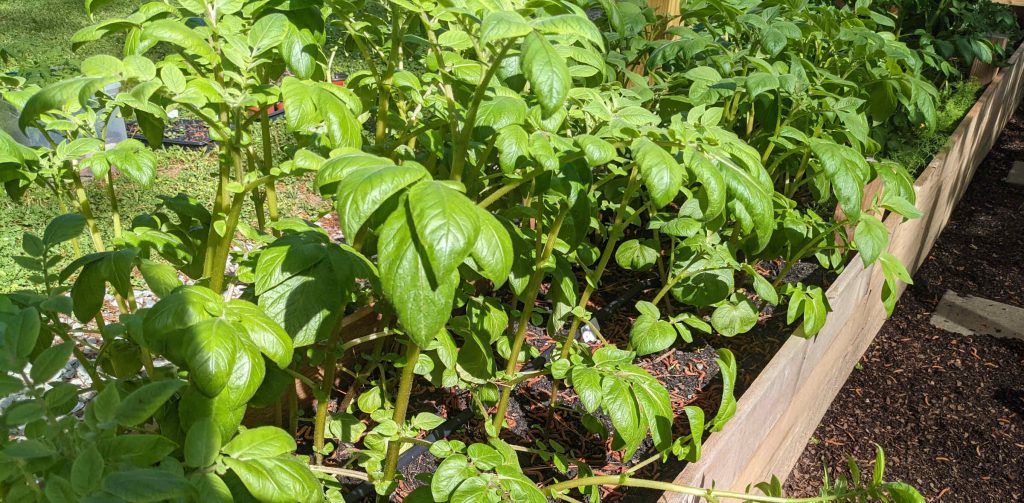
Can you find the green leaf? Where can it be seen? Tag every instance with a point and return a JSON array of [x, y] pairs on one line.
[[202, 443], [87, 470], [848, 172], [26, 449], [211, 488], [137, 162], [656, 408], [314, 108], [871, 238], [597, 152], [264, 332], [449, 475], [689, 447], [142, 449], [173, 79], [731, 319], [513, 146], [636, 255], [28, 327], [499, 112], [161, 278], [363, 190], [210, 350], [492, 250], [347, 428], [570, 24], [423, 309], [92, 5], [547, 72], [260, 443], [178, 34], [473, 490], [650, 335], [659, 171], [63, 228], [760, 82], [727, 408], [277, 480], [879, 469], [621, 406], [762, 286], [903, 493], [50, 361], [145, 485], [142, 403], [267, 32], [503, 25], [587, 383], [476, 357], [752, 191], [446, 223], [67, 95]]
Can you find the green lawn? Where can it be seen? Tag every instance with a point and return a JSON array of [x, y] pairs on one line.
[[37, 33]]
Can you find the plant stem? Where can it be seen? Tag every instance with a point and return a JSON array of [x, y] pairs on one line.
[[344, 472], [412, 354], [606, 255], [622, 480], [323, 397], [805, 250], [268, 164], [462, 143], [115, 212], [90, 220], [508, 187], [532, 290]]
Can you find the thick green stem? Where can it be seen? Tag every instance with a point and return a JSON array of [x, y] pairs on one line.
[[268, 164], [115, 211], [412, 354], [90, 220], [223, 247], [462, 143], [323, 395], [532, 291], [384, 99]]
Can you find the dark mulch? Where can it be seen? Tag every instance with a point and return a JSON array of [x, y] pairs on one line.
[[183, 132], [947, 409]]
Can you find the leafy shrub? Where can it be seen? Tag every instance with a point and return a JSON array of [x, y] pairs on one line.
[[530, 148]]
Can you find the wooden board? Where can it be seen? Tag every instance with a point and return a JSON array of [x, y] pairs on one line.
[[783, 406]]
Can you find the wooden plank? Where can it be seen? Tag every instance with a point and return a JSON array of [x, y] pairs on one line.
[[669, 7], [784, 405], [1016, 3]]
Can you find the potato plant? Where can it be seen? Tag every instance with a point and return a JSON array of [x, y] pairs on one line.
[[491, 157]]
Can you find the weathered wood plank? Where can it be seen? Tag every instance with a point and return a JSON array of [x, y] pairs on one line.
[[784, 405]]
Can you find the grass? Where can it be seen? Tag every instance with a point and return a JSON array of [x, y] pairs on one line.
[[916, 149], [181, 170], [37, 34]]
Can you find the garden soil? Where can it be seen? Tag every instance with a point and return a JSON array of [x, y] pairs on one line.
[[948, 409]]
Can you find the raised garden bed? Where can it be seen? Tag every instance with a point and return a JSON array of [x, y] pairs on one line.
[[786, 402]]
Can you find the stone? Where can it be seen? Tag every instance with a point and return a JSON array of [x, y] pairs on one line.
[[971, 315]]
